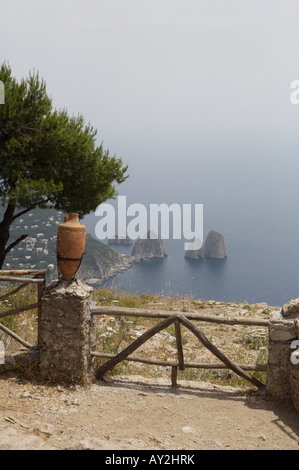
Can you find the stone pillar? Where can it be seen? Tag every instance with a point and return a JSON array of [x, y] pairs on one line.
[[283, 370], [65, 332]]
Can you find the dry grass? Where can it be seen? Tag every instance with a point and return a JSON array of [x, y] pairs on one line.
[[24, 324], [242, 344]]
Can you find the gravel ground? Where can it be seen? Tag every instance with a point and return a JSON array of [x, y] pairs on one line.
[[136, 413]]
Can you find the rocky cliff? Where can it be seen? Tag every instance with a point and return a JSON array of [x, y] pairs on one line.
[[101, 262], [147, 248], [195, 253], [215, 245]]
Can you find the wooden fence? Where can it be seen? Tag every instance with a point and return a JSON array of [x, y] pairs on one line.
[[23, 278], [178, 319], [185, 319]]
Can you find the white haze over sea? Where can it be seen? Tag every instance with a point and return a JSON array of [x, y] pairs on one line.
[[194, 95]]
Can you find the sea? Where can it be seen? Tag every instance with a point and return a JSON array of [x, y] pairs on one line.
[[250, 193]]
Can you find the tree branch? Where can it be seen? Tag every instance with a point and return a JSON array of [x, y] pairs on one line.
[[16, 242], [19, 214], [23, 212]]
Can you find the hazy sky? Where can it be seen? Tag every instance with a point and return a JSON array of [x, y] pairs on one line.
[[162, 70]]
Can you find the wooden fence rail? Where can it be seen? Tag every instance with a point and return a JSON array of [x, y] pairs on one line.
[[15, 336], [22, 272], [145, 313], [178, 318], [191, 365], [17, 276]]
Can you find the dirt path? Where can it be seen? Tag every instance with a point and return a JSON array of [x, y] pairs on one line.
[[137, 413]]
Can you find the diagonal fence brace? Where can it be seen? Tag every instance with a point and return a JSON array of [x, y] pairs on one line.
[[204, 340], [133, 346]]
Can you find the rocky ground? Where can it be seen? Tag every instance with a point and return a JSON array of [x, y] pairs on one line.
[[135, 413]]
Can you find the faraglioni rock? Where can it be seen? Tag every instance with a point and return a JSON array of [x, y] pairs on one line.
[[194, 252], [214, 245], [147, 248]]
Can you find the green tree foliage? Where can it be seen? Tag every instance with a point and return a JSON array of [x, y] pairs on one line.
[[47, 158]]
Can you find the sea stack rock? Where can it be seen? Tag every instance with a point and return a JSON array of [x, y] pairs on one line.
[[147, 248], [194, 252], [214, 246]]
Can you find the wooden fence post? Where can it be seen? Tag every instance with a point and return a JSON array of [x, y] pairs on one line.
[[40, 290], [178, 337]]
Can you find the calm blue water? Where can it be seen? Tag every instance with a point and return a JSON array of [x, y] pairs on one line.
[[252, 201]]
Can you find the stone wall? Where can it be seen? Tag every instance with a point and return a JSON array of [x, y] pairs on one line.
[[283, 364], [65, 335]]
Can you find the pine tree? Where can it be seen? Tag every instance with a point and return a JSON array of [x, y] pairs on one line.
[[47, 158]]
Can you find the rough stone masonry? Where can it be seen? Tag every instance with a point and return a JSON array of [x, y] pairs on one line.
[[65, 332], [283, 367]]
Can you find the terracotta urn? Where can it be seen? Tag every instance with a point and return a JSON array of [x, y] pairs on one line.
[[71, 236]]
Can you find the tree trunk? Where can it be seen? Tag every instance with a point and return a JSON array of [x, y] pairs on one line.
[[8, 219], [4, 231]]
